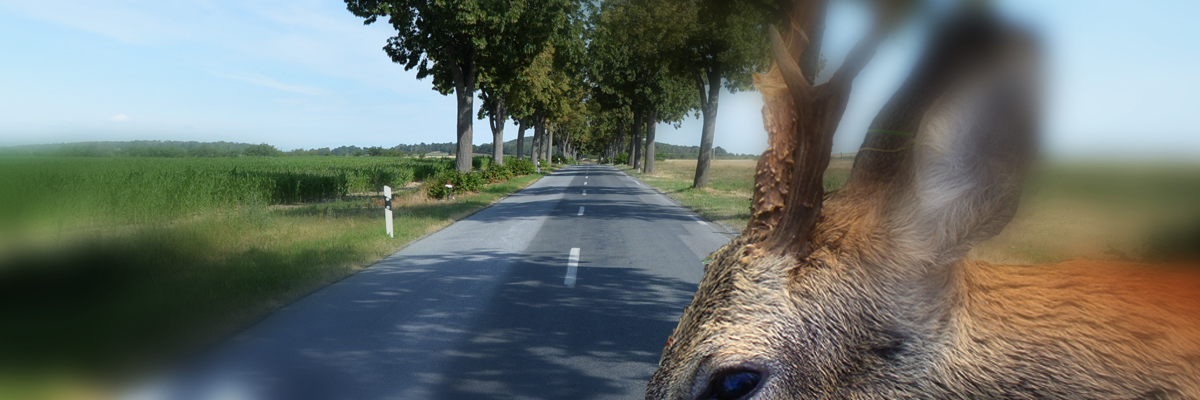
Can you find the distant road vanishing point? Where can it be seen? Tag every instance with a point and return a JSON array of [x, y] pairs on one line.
[[565, 290]]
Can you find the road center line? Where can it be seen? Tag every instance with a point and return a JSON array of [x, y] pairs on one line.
[[580, 210], [585, 193], [572, 267]]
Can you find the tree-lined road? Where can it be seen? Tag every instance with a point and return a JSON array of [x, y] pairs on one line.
[[565, 290]]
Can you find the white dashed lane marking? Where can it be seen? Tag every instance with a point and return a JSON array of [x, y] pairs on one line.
[[572, 267]]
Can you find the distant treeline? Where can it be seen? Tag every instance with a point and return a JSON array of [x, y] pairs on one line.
[[177, 149], [138, 148], [664, 150], [670, 151]]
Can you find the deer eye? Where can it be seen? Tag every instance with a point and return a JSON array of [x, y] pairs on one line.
[[734, 385]]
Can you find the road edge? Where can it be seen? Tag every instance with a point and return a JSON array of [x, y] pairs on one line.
[[725, 229]]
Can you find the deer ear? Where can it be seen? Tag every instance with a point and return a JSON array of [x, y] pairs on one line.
[[967, 168]]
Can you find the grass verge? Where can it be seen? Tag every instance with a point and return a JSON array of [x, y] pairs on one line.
[[1099, 210], [78, 315], [726, 200]]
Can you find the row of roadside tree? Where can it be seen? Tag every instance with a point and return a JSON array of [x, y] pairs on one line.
[[588, 77]]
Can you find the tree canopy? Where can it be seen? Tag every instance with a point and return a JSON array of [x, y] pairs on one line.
[[592, 76], [455, 42]]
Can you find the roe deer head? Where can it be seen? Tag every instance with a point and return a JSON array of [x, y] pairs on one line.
[[866, 293]]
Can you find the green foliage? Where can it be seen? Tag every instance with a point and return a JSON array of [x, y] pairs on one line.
[[672, 151], [135, 148], [728, 37], [560, 159], [431, 35], [76, 308], [498, 173], [262, 150], [523, 166], [465, 45], [166, 152], [489, 172], [621, 158], [425, 168], [481, 162], [138, 190], [630, 50], [452, 182]]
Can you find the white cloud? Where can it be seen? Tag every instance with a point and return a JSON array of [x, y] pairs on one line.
[[120, 118]]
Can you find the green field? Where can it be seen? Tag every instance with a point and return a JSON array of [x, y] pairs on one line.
[[110, 266], [1100, 210], [108, 190]]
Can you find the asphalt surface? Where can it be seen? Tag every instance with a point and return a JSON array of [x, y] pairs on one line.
[[565, 290]]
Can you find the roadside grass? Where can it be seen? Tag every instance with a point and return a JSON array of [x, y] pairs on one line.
[[79, 315], [726, 200], [1091, 209], [1133, 211]]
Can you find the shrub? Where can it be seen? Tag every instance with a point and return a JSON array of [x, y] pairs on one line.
[[621, 158], [472, 181], [498, 173], [460, 183], [523, 166]]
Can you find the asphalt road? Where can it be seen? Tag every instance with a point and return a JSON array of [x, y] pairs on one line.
[[565, 290]]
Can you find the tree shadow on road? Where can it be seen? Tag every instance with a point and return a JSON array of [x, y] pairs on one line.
[[470, 325], [541, 339]]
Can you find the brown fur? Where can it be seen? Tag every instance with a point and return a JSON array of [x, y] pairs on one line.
[[882, 304]]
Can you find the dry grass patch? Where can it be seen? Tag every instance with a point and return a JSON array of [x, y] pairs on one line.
[[726, 200], [1097, 210]]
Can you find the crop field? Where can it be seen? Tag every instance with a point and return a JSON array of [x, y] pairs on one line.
[[1143, 211], [109, 266], [139, 190]]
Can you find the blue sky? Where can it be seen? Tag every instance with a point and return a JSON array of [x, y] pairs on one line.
[[1123, 78]]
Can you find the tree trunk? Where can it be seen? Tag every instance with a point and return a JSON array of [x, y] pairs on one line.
[[651, 120], [635, 159], [550, 144], [619, 146], [534, 152], [521, 126], [498, 119], [463, 70], [633, 129], [539, 133], [709, 109]]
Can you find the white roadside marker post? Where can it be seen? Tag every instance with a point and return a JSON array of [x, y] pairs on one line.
[[387, 210]]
